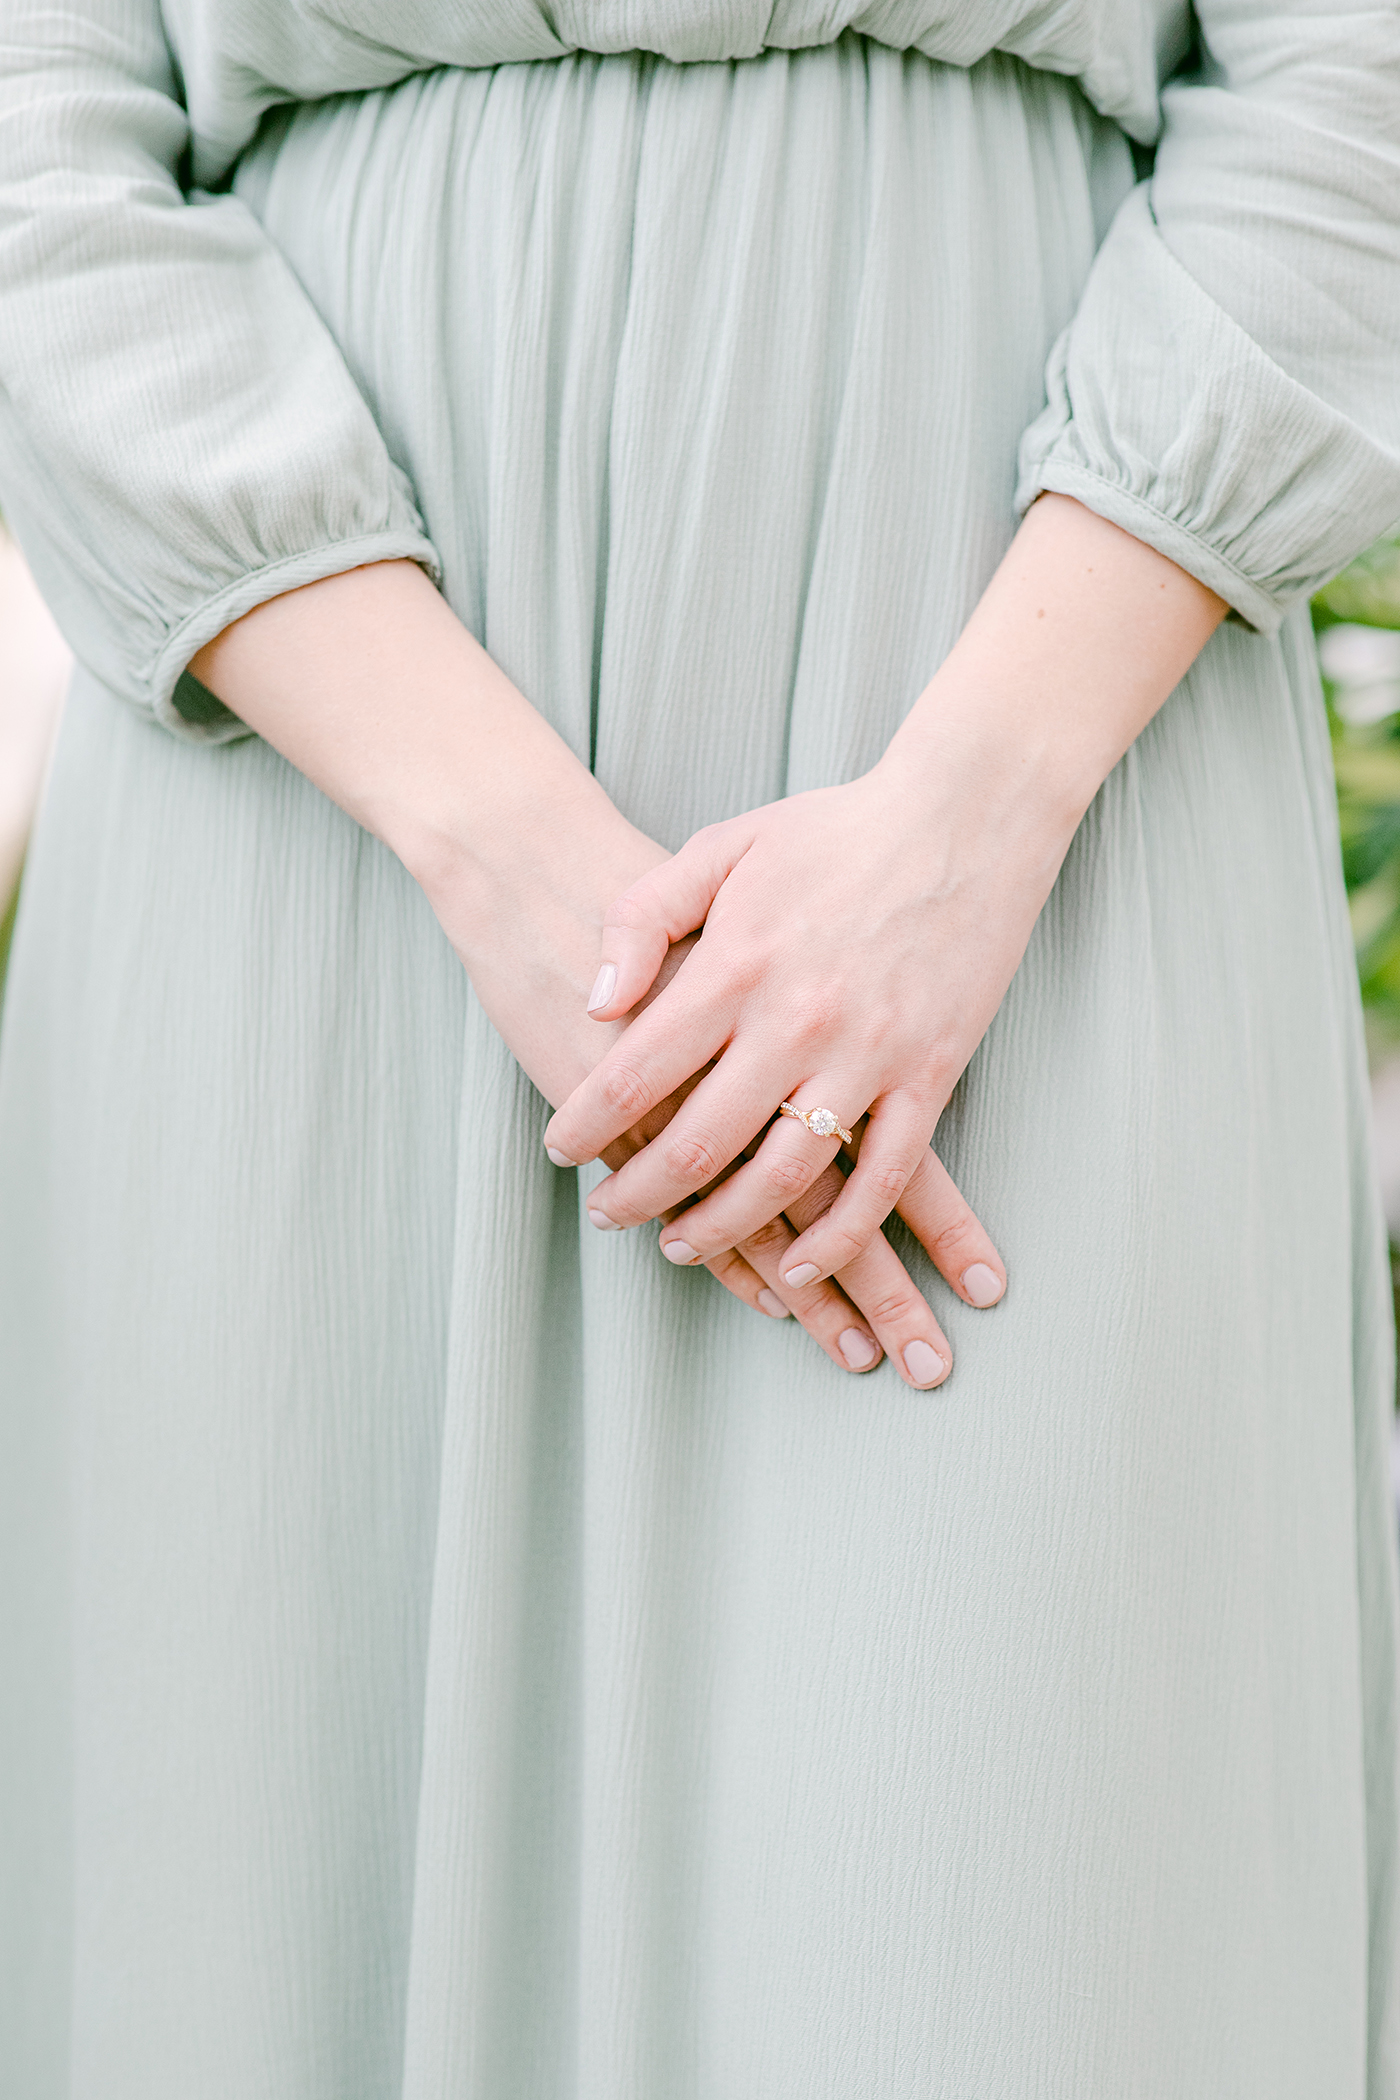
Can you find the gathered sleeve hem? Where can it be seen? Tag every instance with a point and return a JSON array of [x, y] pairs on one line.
[[1168, 417], [1155, 528], [216, 724]]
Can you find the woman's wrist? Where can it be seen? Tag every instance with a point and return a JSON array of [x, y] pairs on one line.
[[1079, 638], [492, 864], [370, 685], [974, 750]]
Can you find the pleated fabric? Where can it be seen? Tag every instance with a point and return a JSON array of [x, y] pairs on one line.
[[457, 1656]]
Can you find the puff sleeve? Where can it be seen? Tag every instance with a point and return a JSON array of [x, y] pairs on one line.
[[180, 438], [1229, 387]]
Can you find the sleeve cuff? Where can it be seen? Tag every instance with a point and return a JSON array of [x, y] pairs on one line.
[[1187, 549], [1167, 418], [216, 724]]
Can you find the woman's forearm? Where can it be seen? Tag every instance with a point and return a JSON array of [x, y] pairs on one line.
[[371, 686], [1081, 635]]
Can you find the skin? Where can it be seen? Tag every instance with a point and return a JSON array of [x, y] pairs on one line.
[[925, 877], [370, 685]]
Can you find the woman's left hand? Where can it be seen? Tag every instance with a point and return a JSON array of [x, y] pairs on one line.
[[857, 941]]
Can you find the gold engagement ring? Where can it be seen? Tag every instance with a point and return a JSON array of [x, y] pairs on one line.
[[820, 1121]]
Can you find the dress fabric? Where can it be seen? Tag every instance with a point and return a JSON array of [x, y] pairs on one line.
[[452, 1655]]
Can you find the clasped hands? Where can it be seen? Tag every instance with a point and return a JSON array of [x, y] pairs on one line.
[[854, 943]]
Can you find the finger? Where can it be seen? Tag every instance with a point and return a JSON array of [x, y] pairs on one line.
[[824, 1311], [641, 1134], [672, 1040], [893, 1143], [899, 1314], [745, 1283], [880, 1287], [719, 1121], [662, 907], [790, 1159], [956, 1241]]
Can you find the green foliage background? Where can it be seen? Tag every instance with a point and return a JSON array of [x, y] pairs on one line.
[[7, 927], [1367, 762]]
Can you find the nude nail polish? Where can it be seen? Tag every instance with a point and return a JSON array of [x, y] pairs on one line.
[[803, 1273], [923, 1364], [773, 1305], [680, 1253], [561, 1159], [604, 985], [857, 1348], [603, 1222], [983, 1285]]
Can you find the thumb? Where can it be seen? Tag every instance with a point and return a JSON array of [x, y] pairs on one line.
[[664, 906]]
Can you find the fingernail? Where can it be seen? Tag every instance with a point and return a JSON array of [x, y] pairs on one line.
[[923, 1364], [857, 1348], [561, 1159], [603, 1222], [773, 1305], [803, 1273], [678, 1252], [983, 1285], [604, 985]]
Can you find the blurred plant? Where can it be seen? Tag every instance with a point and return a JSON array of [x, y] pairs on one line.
[[7, 927], [1357, 621]]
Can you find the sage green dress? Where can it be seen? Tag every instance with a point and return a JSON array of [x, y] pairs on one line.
[[450, 1655]]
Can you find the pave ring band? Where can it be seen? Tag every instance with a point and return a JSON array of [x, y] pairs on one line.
[[820, 1121]]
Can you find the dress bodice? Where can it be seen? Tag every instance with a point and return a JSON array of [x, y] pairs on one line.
[[238, 58], [1222, 384]]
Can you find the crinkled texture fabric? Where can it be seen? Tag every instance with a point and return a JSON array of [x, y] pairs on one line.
[[180, 437], [450, 1654], [1227, 389]]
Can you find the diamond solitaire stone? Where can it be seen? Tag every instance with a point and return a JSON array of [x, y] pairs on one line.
[[822, 1123]]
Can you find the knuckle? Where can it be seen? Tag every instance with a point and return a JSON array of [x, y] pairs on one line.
[[886, 1184], [624, 1091], [788, 1176], [773, 1235], [891, 1308], [807, 1020], [816, 1201], [745, 968], [729, 1268], [954, 1238], [693, 1156], [930, 1082]]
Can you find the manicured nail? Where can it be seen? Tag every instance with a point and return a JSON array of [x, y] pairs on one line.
[[773, 1305], [857, 1348], [604, 985], [561, 1159], [678, 1252], [983, 1285], [923, 1364], [603, 1222], [803, 1273]]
